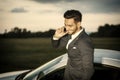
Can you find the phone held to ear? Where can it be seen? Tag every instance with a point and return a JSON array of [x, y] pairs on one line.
[[64, 29]]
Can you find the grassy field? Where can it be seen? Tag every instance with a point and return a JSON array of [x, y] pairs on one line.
[[20, 54]]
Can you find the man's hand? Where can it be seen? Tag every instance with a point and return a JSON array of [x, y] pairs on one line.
[[60, 33]]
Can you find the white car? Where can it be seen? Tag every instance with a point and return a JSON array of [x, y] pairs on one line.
[[107, 67]]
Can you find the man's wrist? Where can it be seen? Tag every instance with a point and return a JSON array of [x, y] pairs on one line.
[[55, 37]]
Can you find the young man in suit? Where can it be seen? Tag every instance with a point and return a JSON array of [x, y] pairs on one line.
[[79, 47]]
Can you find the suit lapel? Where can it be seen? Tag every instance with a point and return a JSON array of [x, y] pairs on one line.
[[76, 39]]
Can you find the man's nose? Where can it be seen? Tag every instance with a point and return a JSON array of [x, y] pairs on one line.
[[67, 28]]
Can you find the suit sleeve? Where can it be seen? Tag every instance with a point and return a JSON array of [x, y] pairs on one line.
[[55, 43], [59, 43], [87, 52]]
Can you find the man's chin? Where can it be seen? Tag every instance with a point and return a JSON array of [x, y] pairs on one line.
[[70, 33]]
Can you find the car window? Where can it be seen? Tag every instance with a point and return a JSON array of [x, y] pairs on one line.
[[102, 72], [105, 72], [55, 75]]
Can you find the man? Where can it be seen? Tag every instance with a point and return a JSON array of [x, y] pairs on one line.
[[79, 47]]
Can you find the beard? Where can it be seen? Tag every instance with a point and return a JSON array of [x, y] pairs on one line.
[[73, 31]]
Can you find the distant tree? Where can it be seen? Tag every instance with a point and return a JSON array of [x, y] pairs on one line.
[[16, 32], [48, 33], [25, 33], [107, 31], [5, 31]]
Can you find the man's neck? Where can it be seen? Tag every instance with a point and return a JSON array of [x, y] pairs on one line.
[[77, 33]]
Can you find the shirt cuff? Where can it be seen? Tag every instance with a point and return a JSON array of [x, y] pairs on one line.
[[54, 38]]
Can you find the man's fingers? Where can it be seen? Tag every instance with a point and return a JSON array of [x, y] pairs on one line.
[[60, 29], [63, 29]]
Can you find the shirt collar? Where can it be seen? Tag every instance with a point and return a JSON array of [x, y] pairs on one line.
[[76, 34]]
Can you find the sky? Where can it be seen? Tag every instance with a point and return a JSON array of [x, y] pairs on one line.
[[42, 15]]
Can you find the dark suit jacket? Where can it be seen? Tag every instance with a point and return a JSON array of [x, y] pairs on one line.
[[80, 57]]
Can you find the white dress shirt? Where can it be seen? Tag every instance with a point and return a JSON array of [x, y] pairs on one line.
[[73, 37]]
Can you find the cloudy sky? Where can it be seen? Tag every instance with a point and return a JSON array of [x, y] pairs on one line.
[[42, 15]]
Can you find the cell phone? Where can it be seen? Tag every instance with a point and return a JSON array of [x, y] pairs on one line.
[[64, 29]]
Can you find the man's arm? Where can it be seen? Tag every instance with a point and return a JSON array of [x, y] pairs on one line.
[[58, 38], [87, 52], [55, 42], [59, 43]]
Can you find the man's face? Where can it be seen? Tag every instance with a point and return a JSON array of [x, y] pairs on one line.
[[71, 26]]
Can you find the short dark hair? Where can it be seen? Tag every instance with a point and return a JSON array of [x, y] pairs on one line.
[[73, 14]]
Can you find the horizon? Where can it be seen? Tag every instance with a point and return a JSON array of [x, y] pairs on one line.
[[6, 31]]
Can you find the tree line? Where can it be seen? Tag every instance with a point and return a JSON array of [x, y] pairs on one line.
[[107, 31], [103, 31], [24, 33]]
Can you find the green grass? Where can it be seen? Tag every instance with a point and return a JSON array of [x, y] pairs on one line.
[[107, 43], [28, 53], [19, 54]]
